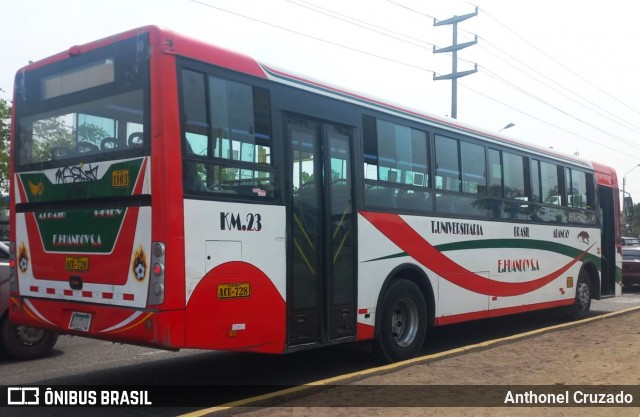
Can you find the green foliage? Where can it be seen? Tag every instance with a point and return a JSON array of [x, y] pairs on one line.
[[88, 132], [5, 133], [50, 132]]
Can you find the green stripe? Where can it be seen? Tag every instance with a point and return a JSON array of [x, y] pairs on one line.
[[542, 245], [80, 182]]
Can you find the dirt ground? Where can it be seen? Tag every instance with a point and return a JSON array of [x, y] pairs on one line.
[[600, 352]]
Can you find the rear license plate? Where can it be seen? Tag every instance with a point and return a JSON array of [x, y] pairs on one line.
[[234, 290], [76, 263], [80, 321]]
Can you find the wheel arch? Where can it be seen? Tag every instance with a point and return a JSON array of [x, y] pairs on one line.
[[415, 274], [592, 271]]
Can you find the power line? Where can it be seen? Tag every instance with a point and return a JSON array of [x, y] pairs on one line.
[[617, 150], [620, 120], [523, 91], [500, 79], [406, 64], [555, 60], [360, 23], [412, 10], [603, 112]]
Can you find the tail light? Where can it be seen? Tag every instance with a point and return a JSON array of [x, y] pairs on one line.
[[156, 278], [13, 270]]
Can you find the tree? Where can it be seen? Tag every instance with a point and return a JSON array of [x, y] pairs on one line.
[[49, 133], [5, 133]]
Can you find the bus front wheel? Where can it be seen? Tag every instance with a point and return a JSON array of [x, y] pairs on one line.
[[402, 326], [582, 302]]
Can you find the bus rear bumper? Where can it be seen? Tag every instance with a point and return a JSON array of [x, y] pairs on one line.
[[156, 328]]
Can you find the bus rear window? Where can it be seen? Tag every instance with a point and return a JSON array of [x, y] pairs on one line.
[[89, 107], [95, 129]]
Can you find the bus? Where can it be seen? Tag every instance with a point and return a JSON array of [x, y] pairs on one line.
[[170, 193]]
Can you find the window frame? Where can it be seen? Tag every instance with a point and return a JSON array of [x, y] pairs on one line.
[[211, 162], [390, 189]]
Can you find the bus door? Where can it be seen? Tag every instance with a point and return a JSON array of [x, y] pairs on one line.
[[606, 197], [321, 286]]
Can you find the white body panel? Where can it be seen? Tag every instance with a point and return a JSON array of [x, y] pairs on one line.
[[212, 238], [503, 252]]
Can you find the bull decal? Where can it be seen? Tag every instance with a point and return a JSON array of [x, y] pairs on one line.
[[584, 237]]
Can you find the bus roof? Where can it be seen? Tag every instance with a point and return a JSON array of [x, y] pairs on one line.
[[174, 43]]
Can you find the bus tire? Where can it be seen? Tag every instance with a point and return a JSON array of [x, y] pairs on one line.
[[23, 342], [402, 324], [582, 302]]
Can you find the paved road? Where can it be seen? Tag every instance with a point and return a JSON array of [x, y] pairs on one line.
[[79, 361]]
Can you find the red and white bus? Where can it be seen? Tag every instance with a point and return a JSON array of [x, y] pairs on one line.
[[170, 193]]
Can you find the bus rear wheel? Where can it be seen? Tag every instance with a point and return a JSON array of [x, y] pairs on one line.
[[402, 326], [24, 342]]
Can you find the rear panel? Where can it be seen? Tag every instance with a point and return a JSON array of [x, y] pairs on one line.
[[95, 251]]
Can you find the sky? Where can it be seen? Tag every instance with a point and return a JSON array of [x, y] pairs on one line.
[[563, 72]]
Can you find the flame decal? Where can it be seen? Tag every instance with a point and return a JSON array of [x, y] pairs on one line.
[[139, 264], [23, 258]]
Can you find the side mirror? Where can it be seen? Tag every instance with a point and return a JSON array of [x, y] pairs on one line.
[[628, 207]]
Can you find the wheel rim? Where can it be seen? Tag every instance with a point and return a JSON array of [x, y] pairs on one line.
[[583, 297], [30, 336], [404, 322]]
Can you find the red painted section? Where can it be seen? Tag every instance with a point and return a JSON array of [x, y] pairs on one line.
[[605, 175], [365, 332], [400, 233], [158, 329], [459, 318], [103, 269], [258, 320], [173, 43], [167, 220]]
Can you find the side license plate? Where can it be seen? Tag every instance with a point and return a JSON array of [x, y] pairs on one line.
[[234, 290], [80, 321], [75, 263]]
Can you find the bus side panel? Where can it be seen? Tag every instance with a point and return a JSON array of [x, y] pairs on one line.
[[235, 276], [219, 317], [482, 269]]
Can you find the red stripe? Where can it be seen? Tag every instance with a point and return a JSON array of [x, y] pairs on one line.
[[400, 233], [87, 294], [107, 295], [68, 292], [459, 318], [33, 288], [51, 290], [127, 297]]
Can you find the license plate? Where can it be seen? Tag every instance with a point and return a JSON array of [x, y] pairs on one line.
[[75, 263], [234, 290], [80, 321]]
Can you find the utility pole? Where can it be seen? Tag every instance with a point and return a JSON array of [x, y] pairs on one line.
[[455, 47]]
